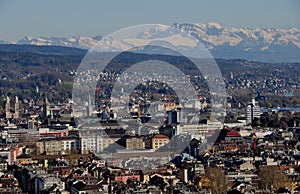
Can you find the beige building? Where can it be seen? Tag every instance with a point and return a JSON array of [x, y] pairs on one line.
[[24, 159], [159, 140], [135, 143], [57, 145]]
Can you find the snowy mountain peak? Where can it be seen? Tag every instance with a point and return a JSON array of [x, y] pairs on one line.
[[266, 44], [214, 25]]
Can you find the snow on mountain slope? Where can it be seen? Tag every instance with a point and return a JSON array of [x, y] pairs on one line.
[[253, 44], [214, 34], [74, 41]]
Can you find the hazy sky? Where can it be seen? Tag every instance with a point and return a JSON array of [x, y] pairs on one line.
[[19, 18]]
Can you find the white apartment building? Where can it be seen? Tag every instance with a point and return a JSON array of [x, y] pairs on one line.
[[256, 111], [198, 131], [95, 140]]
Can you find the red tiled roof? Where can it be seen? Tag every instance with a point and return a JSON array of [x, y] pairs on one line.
[[233, 133], [160, 136]]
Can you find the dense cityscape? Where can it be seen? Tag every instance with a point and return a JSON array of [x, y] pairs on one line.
[[45, 148], [149, 97]]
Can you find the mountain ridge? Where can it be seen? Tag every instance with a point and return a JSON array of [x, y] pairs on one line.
[[52, 50], [260, 44]]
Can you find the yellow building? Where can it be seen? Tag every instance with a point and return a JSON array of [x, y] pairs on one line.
[[159, 140]]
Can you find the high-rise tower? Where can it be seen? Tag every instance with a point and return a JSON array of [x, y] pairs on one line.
[[17, 108], [89, 107], [253, 111]]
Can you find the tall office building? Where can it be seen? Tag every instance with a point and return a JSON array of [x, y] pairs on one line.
[[173, 116], [253, 109], [89, 107]]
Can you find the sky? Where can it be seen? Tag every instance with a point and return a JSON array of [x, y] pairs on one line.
[[35, 18]]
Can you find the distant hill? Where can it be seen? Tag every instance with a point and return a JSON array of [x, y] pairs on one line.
[[54, 50], [52, 69]]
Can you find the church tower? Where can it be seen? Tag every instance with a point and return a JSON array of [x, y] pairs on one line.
[[7, 109], [46, 108]]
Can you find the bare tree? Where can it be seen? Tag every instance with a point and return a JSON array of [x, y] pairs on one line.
[[272, 178], [217, 179]]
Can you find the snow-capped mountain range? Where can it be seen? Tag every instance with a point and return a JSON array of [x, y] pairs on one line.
[[84, 42], [253, 44], [274, 45]]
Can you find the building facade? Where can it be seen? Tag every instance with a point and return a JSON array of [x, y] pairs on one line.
[[57, 145], [255, 108], [159, 140]]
